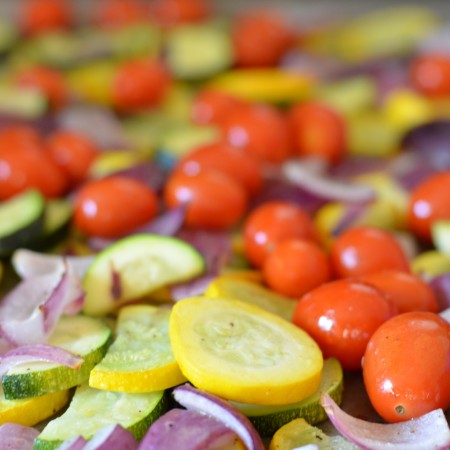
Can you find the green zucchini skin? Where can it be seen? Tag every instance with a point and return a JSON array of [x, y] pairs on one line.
[[52, 439], [35, 381], [25, 215]]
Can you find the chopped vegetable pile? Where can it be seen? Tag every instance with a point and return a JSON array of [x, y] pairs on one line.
[[223, 231]]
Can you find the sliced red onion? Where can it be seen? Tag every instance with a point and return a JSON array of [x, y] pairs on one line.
[[5, 346], [38, 352], [445, 314], [430, 431], [192, 288], [75, 443], [215, 246], [205, 403], [352, 212], [29, 313], [358, 165], [326, 187], [149, 172], [17, 437], [187, 430], [441, 288], [28, 263], [112, 437], [96, 123]]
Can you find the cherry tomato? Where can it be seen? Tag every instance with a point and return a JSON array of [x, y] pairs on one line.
[[295, 267], [140, 84], [429, 202], [40, 16], [318, 131], [260, 39], [227, 159], [46, 80], [72, 152], [430, 74], [269, 224], [168, 13], [119, 13], [261, 130], [406, 366], [341, 316], [210, 106], [213, 199], [113, 206], [14, 136], [363, 250], [407, 291], [24, 167]]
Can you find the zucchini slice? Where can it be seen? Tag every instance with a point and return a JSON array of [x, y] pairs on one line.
[[92, 409], [141, 358], [134, 267], [81, 335], [21, 220]]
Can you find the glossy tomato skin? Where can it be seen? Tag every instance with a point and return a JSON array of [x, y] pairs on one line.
[[260, 39], [318, 131], [113, 206], [213, 199], [295, 267], [430, 74], [169, 13], [406, 366], [269, 224], [210, 106], [40, 16], [46, 80], [429, 202], [363, 250], [341, 317], [140, 84], [119, 13], [261, 130], [73, 153], [406, 290], [224, 158]]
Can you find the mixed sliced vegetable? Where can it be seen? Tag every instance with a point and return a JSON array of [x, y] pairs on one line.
[[223, 231]]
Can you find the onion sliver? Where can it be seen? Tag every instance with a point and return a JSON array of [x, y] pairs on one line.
[[324, 186], [196, 400], [187, 430], [112, 437], [428, 432], [17, 437], [38, 352]]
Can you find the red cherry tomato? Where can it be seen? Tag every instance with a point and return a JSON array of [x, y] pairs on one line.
[[429, 202], [119, 13], [113, 206], [318, 131], [46, 80], [407, 291], [23, 136], [261, 130], [23, 168], [260, 39], [140, 84], [430, 74], [210, 106], [269, 224], [227, 159], [341, 316], [363, 250], [295, 267], [72, 152], [213, 199], [40, 16], [406, 366], [168, 13]]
